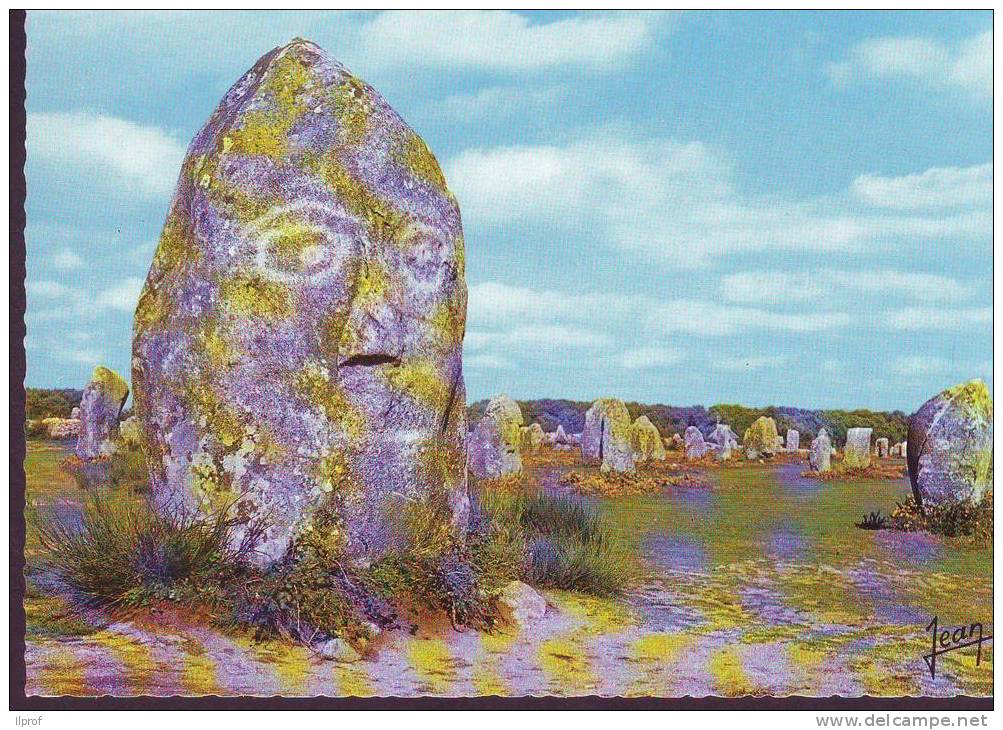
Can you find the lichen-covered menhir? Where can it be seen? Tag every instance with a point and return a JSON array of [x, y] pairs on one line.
[[298, 342]]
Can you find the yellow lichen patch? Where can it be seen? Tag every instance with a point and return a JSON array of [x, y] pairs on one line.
[[63, 674], [353, 108], [660, 647], [383, 220], [290, 238], [414, 155], [498, 642], [251, 295], [371, 284], [567, 668], [111, 383], [352, 682], [220, 420], [152, 310], [447, 322], [598, 615], [333, 473], [317, 387], [141, 671], [198, 673], [433, 662], [292, 664], [212, 487], [218, 349], [730, 679], [53, 616], [175, 245], [419, 379], [488, 682], [265, 131]]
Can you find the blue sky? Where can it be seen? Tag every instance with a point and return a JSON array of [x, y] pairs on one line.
[[764, 208]]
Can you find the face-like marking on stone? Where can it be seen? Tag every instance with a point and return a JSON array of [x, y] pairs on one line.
[[303, 319]]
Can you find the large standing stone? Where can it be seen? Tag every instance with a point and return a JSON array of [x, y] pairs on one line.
[[298, 342], [725, 440], [881, 446], [793, 440], [646, 440], [100, 408], [950, 446], [494, 443], [762, 436], [857, 453], [820, 453], [606, 438]]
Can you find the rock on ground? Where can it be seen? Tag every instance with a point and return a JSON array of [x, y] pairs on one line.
[[793, 440], [100, 408], [606, 438], [298, 342], [532, 437], [950, 446], [521, 605], [696, 447], [494, 442]]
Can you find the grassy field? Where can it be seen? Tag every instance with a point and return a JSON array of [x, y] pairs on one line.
[[755, 581]]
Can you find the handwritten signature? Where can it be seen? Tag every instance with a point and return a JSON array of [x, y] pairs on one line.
[[948, 640]]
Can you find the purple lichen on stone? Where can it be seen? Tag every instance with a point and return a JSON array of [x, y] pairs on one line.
[[297, 350]]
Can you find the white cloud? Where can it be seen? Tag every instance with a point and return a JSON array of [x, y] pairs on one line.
[[47, 289], [709, 319], [752, 362], [493, 303], [919, 365], [967, 66], [495, 102], [123, 153], [649, 357], [488, 362], [503, 40], [539, 338], [938, 187], [674, 203], [752, 287], [928, 318], [122, 296], [66, 260]]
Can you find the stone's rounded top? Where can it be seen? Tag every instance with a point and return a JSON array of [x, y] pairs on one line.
[[110, 382], [972, 397], [503, 407]]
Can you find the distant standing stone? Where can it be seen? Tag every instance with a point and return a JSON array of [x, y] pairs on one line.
[[100, 408], [950, 446], [820, 454], [696, 447], [494, 443], [606, 439], [881, 446], [762, 437], [646, 440], [532, 437], [793, 440], [857, 453]]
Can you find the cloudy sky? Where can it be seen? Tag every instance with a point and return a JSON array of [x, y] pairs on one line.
[[765, 208]]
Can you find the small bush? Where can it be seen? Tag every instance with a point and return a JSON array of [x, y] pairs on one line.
[[873, 521], [569, 543], [964, 519], [123, 552]]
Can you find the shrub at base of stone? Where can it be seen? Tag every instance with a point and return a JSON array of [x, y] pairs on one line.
[[950, 446]]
